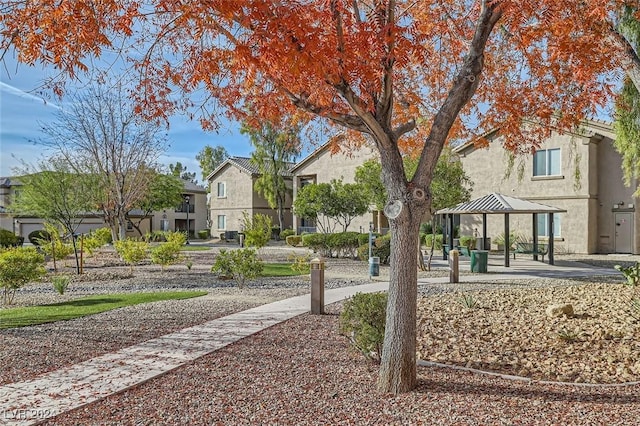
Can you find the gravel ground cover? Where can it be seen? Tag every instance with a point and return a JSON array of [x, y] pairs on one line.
[[303, 372]]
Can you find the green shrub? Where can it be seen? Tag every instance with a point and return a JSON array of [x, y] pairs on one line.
[[167, 253], [468, 242], [53, 246], [364, 238], [19, 266], [363, 320], [318, 243], [34, 237], [204, 234], [381, 248], [132, 251], [286, 233], [96, 239], [177, 238], [438, 242], [513, 239], [294, 240], [239, 264], [8, 238], [60, 283], [257, 229], [344, 244], [300, 263], [155, 237]]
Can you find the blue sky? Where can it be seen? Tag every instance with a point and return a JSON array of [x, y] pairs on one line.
[[22, 108]]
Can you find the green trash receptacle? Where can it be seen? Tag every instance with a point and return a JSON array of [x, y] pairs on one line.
[[479, 260]]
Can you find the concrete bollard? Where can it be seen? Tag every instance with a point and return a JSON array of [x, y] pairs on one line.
[[454, 271], [317, 286]]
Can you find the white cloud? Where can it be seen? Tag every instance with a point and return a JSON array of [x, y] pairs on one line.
[[12, 90]]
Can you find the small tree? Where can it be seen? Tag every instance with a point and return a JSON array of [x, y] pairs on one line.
[[52, 245], [276, 147], [165, 191], [132, 251], [168, 253], [257, 229], [210, 158], [329, 204], [19, 266]]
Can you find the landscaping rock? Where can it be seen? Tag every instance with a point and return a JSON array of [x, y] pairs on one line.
[[558, 310]]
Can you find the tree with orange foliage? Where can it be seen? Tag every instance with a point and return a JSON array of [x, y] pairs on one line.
[[406, 75]]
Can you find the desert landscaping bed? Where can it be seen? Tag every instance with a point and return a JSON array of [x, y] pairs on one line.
[[302, 372], [305, 359]]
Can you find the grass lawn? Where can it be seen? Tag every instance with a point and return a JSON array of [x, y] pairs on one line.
[[194, 248], [279, 270], [41, 314]]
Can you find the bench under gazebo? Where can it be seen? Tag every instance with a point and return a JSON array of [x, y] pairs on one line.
[[495, 203]]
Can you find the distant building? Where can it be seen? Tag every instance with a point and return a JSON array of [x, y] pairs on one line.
[[321, 166], [172, 219], [579, 172], [232, 192]]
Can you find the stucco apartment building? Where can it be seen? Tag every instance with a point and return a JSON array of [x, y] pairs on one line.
[[324, 165], [171, 219], [579, 172], [232, 188]]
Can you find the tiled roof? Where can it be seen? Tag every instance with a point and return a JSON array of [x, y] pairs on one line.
[[245, 164], [498, 203]]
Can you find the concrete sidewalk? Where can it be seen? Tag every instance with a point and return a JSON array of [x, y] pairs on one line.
[[71, 387]]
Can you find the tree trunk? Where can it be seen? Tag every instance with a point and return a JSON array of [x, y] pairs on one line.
[[398, 364]]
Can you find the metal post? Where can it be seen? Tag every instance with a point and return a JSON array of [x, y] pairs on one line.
[[187, 200], [317, 286], [535, 236], [485, 246], [507, 242], [551, 259]]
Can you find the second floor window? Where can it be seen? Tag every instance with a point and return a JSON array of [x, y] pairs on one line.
[[222, 189], [546, 162]]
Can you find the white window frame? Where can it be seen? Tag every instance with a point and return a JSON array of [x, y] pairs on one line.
[[222, 185], [224, 221], [547, 154]]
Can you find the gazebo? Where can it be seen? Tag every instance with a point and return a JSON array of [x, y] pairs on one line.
[[495, 203]]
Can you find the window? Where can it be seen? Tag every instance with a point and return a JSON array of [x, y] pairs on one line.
[[543, 224], [546, 162], [222, 190], [222, 222]]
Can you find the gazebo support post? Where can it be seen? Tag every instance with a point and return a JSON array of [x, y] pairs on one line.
[[535, 236], [451, 231], [551, 260], [445, 233], [507, 242], [484, 232]]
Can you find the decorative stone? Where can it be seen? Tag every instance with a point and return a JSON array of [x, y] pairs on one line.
[[559, 310]]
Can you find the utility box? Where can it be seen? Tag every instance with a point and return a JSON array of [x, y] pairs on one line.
[[317, 286]]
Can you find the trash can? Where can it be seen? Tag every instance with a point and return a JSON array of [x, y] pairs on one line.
[[479, 260], [374, 266]]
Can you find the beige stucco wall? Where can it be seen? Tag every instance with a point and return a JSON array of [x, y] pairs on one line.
[[589, 183], [322, 166], [240, 197]]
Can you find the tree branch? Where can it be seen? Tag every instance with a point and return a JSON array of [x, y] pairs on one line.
[[463, 87]]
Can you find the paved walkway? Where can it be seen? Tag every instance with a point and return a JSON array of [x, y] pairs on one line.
[[71, 387]]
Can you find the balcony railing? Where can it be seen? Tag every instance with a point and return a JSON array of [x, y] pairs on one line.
[[183, 208]]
